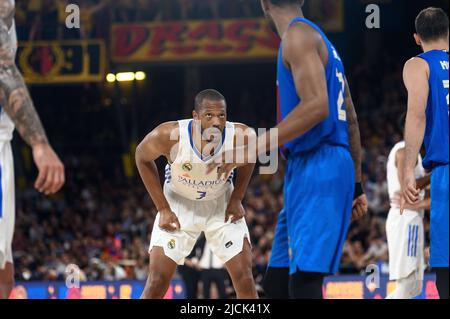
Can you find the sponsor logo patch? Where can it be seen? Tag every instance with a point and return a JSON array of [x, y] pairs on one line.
[[171, 244], [187, 167]]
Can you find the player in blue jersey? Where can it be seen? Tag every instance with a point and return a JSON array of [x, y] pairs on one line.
[[426, 78], [314, 129]]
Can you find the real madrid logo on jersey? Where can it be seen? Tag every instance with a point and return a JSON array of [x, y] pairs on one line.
[[171, 244], [187, 167]]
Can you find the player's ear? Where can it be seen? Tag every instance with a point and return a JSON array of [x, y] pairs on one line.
[[417, 39], [194, 115], [265, 5]]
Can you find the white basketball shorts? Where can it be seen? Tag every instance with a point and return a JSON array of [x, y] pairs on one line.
[[226, 239]]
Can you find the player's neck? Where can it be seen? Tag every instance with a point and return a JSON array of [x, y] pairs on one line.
[[436, 45], [200, 143], [282, 17]]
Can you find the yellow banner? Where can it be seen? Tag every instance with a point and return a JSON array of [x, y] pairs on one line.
[[53, 62], [193, 41]]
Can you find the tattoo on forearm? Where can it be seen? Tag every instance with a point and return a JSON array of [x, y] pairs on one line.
[[14, 96], [354, 134], [6, 10], [355, 142]]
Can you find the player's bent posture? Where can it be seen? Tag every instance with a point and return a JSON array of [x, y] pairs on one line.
[[405, 231], [17, 110], [320, 178], [193, 201], [426, 78]]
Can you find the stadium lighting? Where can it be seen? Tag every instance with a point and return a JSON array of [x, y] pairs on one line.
[[125, 76], [111, 78], [140, 76]]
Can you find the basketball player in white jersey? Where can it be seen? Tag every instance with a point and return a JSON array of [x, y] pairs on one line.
[[192, 201], [405, 232], [17, 111]]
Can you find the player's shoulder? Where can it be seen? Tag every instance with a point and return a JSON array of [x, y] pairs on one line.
[[416, 71], [416, 64], [397, 152], [241, 128], [166, 130], [167, 126], [238, 125], [301, 35]]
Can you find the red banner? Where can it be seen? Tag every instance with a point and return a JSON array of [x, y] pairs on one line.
[[194, 41]]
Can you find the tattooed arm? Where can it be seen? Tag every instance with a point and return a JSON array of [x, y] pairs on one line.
[[354, 133], [360, 205], [17, 103]]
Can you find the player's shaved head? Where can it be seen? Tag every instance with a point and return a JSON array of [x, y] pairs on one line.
[[432, 24], [209, 95]]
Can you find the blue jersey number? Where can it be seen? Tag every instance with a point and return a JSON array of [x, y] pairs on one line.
[[201, 195]]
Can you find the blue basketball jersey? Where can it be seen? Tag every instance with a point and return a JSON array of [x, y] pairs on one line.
[[333, 130], [437, 111]]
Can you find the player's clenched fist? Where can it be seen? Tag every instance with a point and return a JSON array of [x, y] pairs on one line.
[[360, 207], [168, 221], [410, 191]]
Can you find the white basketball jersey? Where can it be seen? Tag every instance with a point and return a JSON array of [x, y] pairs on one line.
[[187, 175], [6, 125], [392, 171]]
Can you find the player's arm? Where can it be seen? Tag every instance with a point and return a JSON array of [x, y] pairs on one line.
[[17, 103], [360, 205], [422, 204], [6, 12], [235, 210], [156, 144], [415, 75], [400, 163], [354, 133], [302, 56], [421, 182]]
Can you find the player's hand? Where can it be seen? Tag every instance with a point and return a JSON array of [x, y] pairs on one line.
[[51, 170], [397, 201], [360, 207], [409, 191], [235, 211], [168, 221]]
